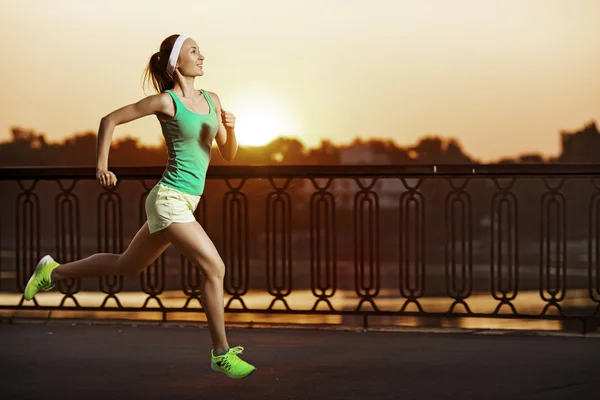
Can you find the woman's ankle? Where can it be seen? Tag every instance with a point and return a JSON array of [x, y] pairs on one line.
[[219, 350], [55, 275]]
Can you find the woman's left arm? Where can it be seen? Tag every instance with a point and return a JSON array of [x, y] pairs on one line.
[[225, 138]]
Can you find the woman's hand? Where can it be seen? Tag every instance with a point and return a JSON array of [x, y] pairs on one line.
[[106, 178], [228, 120]]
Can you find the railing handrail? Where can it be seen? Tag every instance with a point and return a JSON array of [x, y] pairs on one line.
[[292, 171]]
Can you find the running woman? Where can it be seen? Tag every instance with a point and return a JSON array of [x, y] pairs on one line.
[[190, 120]]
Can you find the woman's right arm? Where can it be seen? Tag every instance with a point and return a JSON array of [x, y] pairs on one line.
[[155, 104]]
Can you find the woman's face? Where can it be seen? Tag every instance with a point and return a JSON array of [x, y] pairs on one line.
[[190, 59]]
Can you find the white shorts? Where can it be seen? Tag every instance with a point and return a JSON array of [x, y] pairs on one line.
[[165, 206]]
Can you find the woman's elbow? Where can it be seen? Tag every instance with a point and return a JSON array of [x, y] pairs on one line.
[[227, 153], [107, 120]]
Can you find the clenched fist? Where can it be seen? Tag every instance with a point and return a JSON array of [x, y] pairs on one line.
[[228, 119], [106, 178]]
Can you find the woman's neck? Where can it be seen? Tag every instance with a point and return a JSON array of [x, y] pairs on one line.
[[185, 85]]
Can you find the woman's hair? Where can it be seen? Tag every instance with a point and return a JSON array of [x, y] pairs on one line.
[[156, 71]]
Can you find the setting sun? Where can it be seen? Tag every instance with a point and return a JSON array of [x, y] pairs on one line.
[[262, 118]]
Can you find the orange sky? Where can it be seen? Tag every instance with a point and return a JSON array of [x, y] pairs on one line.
[[504, 77]]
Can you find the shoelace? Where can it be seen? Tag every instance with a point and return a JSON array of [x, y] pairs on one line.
[[231, 357], [45, 284]]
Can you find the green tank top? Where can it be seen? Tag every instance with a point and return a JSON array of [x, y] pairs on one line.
[[189, 137]]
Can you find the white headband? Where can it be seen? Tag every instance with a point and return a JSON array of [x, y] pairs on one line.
[[175, 54]]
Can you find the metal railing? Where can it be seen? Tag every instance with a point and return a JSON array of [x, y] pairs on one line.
[[427, 243]]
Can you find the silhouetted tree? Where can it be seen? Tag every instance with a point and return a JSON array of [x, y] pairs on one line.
[[29, 147], [455, 154], [327, 154]]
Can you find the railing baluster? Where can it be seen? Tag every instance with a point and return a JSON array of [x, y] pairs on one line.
[[508, 230], [235, 242], [594, 249], [27, 235], [458, 196], [68, 237], [366, 244], [412, 207], [279, 226], [323, 249], [553, 291], [110, 239]]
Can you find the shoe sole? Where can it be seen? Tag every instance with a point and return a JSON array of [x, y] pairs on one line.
[[232, 377], [43, 261]]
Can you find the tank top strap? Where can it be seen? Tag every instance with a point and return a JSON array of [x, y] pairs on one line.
[[208, 98], [176, 100], [173, 96]]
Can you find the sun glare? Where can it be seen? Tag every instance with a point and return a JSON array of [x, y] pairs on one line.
[[260, 118]]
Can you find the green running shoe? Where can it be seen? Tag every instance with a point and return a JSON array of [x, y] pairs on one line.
[[230, 364], [40, 280]]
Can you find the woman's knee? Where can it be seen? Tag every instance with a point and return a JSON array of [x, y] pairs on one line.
[[216, 270]]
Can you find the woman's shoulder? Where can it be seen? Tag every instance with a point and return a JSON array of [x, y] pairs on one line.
[[214, 97], [164, 98], [158, 103]]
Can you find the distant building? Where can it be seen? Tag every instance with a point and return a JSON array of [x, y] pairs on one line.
[[582, 146]]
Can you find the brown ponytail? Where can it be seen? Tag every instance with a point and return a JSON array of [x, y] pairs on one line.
[[155, 73]]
